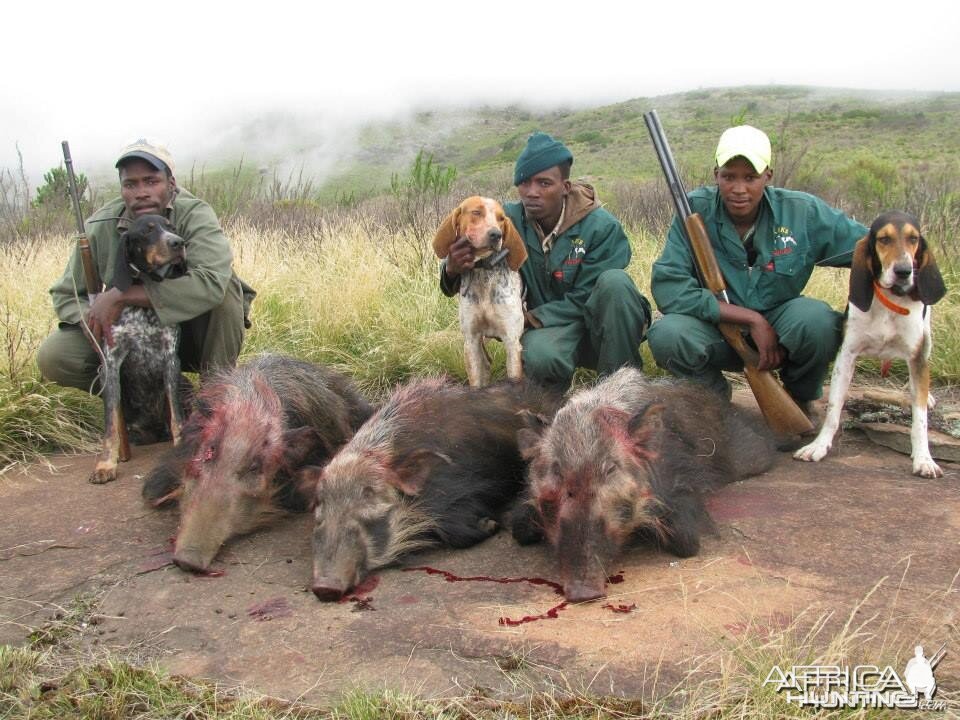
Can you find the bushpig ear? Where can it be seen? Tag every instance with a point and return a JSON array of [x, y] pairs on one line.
[[528, 442], [861, 273], [410, 472], [303, 444], [269, 396], [647, 420], [308, 478], [514, 243], [447, 234], [645, 429], [929, 282], [529, 437]]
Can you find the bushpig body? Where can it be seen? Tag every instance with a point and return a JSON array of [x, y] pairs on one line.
[[631, 459], [254, 427], [438, 463]]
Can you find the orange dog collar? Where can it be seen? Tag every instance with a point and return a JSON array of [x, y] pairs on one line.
[[887, 302]]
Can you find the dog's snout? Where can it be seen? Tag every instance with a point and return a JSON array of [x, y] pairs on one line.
[[494, 235], [903, 272], [174, 242]]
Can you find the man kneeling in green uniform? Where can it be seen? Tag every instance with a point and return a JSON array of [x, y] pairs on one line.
[[210, 302], [767, 241], [581, 308]]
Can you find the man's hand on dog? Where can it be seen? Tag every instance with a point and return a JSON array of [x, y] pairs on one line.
[[107, 306], [461, 257]]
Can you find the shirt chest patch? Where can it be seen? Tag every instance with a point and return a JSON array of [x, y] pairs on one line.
[[577, 252], [783, 240]]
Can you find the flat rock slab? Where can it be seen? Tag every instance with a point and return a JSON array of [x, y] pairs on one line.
[[897, 437], [800, 542]]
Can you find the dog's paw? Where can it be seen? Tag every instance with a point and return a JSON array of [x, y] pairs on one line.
[[103, 473], [926, 467], [814, 452]]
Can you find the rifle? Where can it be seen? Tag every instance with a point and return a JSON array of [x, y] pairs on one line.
[[781, 413], [90, 277]]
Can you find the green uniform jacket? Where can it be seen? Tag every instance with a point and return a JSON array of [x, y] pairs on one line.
[[794, 230], [558, 284], [177, 300]]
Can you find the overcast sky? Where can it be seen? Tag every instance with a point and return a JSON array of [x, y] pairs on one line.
[[192, 73]]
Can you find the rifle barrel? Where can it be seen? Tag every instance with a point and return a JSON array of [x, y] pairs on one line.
[[74, 194], [667, 164]]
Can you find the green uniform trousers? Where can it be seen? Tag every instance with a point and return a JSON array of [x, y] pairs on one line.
[[209, 341], [809, 329], [615, 318]]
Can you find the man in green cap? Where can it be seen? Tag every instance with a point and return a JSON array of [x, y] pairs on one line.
[[209, 303], [582, 309], [767, 241]]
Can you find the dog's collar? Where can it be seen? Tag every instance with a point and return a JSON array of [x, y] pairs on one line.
[[887, 302], [492, 260], [158, 275]]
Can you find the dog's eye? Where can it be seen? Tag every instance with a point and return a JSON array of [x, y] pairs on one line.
[[476, 213]]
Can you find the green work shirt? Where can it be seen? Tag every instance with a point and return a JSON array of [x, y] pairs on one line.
[[794, 230], [176, 300], [558, 284]]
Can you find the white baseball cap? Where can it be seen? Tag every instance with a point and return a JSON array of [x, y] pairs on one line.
[[744, 141]]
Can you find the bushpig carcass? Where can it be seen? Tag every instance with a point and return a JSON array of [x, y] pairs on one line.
[[437, 463], [630, 459], [254, 427]]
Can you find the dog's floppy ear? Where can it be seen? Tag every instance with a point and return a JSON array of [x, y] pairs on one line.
[[861, 273], [447, 234], [514, 243], [929, 281], [121, 267]]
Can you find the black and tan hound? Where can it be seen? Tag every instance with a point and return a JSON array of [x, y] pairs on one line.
[[141, 366]]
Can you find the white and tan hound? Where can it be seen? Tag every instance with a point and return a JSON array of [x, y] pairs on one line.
[[893, 266], [491, 304]]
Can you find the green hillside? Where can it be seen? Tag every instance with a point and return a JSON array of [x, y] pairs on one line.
[[818, 134]]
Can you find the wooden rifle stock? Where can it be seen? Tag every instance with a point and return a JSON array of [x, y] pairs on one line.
[[91, 278], [779, 410]]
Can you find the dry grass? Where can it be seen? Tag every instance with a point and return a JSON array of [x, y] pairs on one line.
[[356, 296]]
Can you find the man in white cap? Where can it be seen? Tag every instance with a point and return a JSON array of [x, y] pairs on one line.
[[767, 241], [209, 303]]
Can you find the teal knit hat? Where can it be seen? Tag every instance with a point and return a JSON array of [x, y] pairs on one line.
[[541, 152]]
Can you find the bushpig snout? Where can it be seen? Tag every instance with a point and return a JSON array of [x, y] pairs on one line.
[[578, 591], [339, 559], [190, 563], [328, 589], [585, 550]]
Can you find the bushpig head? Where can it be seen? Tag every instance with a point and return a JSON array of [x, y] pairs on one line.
[[591, 486], [229, 483], [365, 515]]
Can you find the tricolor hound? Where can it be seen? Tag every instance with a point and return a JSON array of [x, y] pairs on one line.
[[491, 304], [893, 266]]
